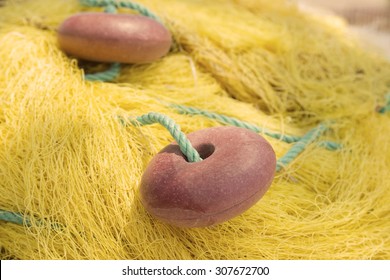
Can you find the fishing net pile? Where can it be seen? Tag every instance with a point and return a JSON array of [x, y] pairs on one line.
[[72, 170]]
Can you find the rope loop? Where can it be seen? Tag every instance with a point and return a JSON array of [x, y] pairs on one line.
[[174, 129]]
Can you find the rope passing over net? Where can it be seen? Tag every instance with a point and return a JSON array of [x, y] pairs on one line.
[[193, 156], [122, 4], [235, 122], [173, 128], [24, 220], [186, 148]]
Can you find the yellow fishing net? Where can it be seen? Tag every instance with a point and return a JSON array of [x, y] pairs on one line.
[[68, 165]]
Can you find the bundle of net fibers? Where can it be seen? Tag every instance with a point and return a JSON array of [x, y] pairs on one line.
[[72, 170]]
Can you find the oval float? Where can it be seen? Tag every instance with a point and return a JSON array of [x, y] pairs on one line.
[[119, 38], [238, 168]]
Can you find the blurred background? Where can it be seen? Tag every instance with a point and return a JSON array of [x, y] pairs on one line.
[[368, 19]]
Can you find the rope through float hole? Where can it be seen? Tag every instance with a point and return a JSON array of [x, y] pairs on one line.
[[193, 156], [185, 146]]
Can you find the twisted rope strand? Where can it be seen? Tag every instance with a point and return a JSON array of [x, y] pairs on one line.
[[174, 129], [23, 220], [124, 4], [186, 148], [330, 145], [221, 118], [111, 9], [113, 72], [298, 147], [105, 76], [232, 121], [14, 217]]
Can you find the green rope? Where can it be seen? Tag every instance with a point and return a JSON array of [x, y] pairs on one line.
[[185, 147], [14, 217], [193, 156], [105, 76], [300, 142], [330, 145], [113, 72], [235, 122], [23, 220], [183, 142], [121, 4], [110, 9], [298, 147], [232, 121], [385, 108]]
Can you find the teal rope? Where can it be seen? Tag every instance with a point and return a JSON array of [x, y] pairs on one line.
[[105, 76], [113, 72], [121, 4], [14, 217], [330, 145], [235, 122], [110, 9], [232, 121], [385, 108], [193, 156], [298, 147], [186, 148], [20, 219], [183, 142]]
